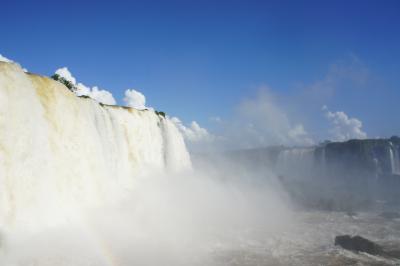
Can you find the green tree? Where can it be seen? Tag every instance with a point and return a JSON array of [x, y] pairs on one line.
[[62, 80]]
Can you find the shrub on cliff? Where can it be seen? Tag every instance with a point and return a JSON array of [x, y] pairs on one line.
[[62, 80], [160, 113]]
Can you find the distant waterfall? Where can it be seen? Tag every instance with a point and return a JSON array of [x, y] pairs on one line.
[[394, 159], [296, 162]]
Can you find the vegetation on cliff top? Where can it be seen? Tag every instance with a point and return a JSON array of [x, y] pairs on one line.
[[62, 80], [160, 113], [72, 88]]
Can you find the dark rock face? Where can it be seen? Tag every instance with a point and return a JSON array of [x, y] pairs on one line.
[[369, 157], [358, 244], [334, 176], [356, 158]]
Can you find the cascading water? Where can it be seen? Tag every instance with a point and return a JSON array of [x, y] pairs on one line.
[[296, 162], [58, 151], [394, 159]]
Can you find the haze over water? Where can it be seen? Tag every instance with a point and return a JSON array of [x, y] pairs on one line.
[[199, 133]]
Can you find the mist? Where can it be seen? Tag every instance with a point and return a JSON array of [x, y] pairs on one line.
[[230, 209], [86, 183], [192, 218]]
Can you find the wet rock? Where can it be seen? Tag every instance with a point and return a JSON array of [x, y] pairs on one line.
[[358, 244]]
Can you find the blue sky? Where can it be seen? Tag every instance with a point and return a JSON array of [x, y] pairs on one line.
[[202, 59]]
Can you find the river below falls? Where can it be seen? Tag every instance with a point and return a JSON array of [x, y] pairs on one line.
[[310, 241]]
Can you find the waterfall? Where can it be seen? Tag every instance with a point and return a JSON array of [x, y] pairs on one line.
[[296, 162], [394, 159], [59, 151]]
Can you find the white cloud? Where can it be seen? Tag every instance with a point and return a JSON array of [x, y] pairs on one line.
[[102, 96], [5, 59], [135, 99], [194, 132], [82, 90], [66, 74], [344, 127], [262, 121], [299, 134]]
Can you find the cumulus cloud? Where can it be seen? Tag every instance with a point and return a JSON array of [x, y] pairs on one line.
[[66, 74], [102, 96], [135, 99], [298, 133], [263, 121], [194, 132], [344, 127], [5, 59], [260, 121]]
